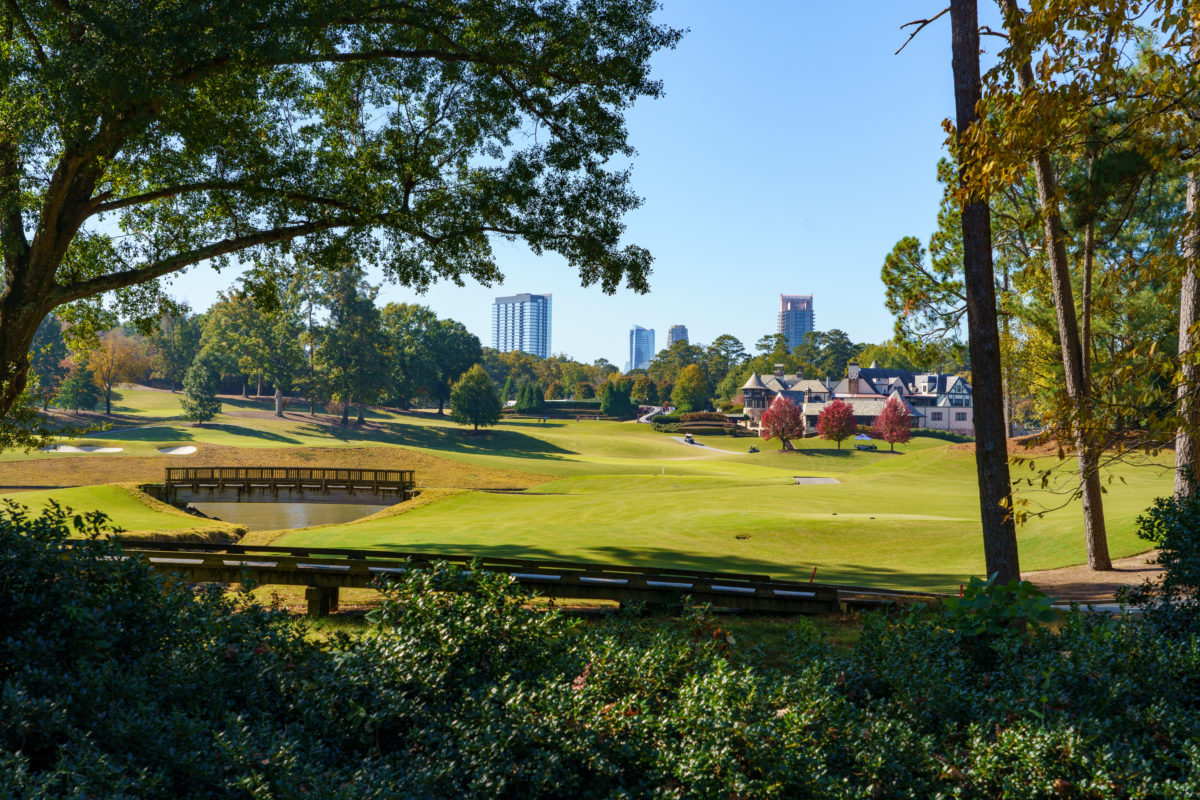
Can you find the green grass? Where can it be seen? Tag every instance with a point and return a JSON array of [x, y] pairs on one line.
[[628, 494], [126, 508]]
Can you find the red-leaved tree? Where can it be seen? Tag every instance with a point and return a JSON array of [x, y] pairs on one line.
[[783, 421], [894, 423], [836, 422]]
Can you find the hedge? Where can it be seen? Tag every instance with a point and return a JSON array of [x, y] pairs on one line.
[[119, 683]]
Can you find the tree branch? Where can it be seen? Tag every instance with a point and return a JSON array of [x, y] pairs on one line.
[[920, 23], [27, 29], [130, 277], [211, 186]]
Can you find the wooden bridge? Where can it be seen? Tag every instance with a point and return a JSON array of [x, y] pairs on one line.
[[325, 570], [286, 484]]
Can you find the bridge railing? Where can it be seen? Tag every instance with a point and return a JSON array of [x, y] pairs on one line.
[[388, 477]]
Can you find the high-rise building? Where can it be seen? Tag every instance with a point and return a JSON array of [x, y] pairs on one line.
[[522, 322], [796, 318], [677, 333], [641, 347]]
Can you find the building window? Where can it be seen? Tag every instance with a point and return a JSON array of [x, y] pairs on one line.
[[960, 416], [936, 416]]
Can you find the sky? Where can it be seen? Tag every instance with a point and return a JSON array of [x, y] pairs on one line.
[[791, 151]]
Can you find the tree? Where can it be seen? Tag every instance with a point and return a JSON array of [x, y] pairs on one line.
[[118, 359], [555, 391], [614, 399], [645, 391], [782, 420], [174, 345], [455, 349], [152, 159], [836, 422], [691, 389], [48, 359], [350, 350], [506, 393], [530, 399], [894, 423], [991, 442], [669, 362], [473, 399], [584, 391], [200, 385], [79, 391]]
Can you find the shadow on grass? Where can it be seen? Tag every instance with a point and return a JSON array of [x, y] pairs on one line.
[[512, 444], [162, 433], [846, 574]]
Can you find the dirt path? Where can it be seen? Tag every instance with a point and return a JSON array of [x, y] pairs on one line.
[[1080, 584]]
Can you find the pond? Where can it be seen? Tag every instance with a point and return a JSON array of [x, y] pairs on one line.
[[279, 516]]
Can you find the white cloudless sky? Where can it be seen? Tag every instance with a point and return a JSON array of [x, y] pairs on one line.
[[791, 150]]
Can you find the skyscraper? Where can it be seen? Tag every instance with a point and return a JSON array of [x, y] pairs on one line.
[[796, 317], [641, 347], [522, 322], [677, 333]]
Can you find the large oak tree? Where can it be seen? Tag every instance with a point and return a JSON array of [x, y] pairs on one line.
[[139, 139]]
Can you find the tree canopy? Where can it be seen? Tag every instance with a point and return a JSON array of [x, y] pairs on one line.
[[136, 141]]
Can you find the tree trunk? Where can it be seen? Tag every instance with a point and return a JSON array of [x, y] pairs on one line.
[[260, 379], [361, 413], [1068, 334], [991, 443], [441, 405], [245, 386], [1187, 441], [278, 402], [346, 409]]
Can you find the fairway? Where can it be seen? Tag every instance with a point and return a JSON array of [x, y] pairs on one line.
[[620, 492]]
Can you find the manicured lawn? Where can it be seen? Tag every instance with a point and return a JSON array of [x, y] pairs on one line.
[[625, 493], [126, 508]]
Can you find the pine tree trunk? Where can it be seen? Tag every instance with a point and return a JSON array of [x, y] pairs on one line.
[[278, 402], [991, 442], [1187, 441], [1072, 348]]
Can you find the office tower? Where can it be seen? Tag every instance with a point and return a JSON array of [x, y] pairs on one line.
[[641, 347], [677, 333], [796, 318], [522, 322]]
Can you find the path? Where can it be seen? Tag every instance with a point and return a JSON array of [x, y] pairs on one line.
[[654, 411], [1083, 585], [682, 441]]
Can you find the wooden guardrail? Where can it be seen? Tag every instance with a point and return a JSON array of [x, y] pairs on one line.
[[325, 570]]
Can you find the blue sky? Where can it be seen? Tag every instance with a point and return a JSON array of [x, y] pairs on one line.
[[791, 151]]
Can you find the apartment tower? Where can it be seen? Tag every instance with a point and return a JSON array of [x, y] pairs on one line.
[[796, 318], [522, 322]]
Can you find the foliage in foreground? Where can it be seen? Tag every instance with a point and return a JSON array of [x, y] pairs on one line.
[[117, 683]]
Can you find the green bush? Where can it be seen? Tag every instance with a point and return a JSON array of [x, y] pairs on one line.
[[115, 682], [702, 416], [943, 435]]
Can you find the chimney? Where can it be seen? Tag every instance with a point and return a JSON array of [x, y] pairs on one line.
[[779, 370], [852, 373], [799, 373]]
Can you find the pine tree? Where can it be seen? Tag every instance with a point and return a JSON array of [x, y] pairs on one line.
[[200, 384], [79, 391]]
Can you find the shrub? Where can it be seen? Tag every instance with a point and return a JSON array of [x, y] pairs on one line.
[[702, 416], [943, 435]]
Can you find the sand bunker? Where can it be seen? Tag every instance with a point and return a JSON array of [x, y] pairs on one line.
[[184, 450], [87, 448], [801, 479]]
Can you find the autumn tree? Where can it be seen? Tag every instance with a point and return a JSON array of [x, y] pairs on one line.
[[645, 391], [691, 389], [782, 420], [117, 359], [473, 399], [585, 391], [175, 139], [894, 423], [835, 422], [555, 391]]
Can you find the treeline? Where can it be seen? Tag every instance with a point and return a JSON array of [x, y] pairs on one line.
[[287, 332]]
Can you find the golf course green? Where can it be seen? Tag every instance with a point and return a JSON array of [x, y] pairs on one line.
[[620, 492]]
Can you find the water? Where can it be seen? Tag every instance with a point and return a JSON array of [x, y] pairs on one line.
[[281, 516]]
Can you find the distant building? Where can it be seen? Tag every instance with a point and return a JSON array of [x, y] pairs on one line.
[[796, 317], [641, 347], [522, 322], [677, 333]]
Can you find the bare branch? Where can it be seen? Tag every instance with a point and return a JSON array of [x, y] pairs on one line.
[[920, 23]]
